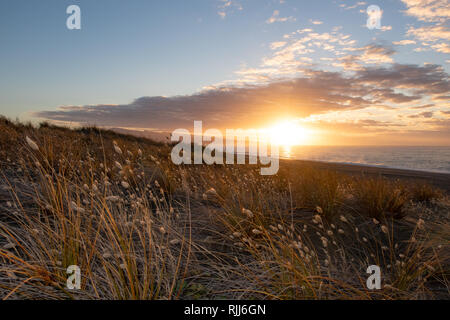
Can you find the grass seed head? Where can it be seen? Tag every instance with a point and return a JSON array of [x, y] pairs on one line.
[[117, 149], [247, 212], [32, 144]]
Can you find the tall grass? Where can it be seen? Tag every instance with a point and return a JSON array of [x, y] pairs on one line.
[[141, 228]]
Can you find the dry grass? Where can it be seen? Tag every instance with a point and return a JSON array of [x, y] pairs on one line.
[[141, 228]]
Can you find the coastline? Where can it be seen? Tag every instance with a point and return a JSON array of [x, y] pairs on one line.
[[437, 179]]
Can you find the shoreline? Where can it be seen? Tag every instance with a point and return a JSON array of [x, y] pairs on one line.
[[369, 165], [438, 179]]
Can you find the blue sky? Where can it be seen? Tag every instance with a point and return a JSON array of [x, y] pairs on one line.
[[139, 48]]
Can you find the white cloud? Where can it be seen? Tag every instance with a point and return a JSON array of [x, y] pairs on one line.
[[227, 6], [441, 47], [404, 42], [304, 30], [316, 22], [276, 18], [429, 35], [356, 5], [428, 10], [277, 45]]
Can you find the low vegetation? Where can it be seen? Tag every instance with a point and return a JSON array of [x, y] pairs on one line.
[[140, 227]]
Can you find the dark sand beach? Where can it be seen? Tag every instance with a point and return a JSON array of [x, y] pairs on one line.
[[440, 180]]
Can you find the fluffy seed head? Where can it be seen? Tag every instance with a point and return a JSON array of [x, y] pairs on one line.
[[9, 246], [113, 198], [256, 231], [76, 208], [420, 224], [117, 149], [32, 144], [247, 212]]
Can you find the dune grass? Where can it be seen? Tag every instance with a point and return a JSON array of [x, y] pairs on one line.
[[140, 227]]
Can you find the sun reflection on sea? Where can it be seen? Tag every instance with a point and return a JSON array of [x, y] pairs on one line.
[[286, 152]]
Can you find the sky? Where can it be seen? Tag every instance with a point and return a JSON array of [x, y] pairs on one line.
[[160, 65]]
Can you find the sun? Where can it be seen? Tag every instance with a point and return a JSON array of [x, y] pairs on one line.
[[288, 133]]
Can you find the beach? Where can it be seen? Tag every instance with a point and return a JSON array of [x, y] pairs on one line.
[[439, 180]]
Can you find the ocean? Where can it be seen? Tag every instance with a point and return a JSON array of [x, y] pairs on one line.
[[433, 159]]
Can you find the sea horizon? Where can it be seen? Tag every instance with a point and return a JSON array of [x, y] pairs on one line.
[[418, 158]]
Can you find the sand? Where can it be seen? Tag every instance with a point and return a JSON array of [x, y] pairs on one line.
[[440, 180]]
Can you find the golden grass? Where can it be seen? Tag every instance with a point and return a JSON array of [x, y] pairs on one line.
[[141, 228]]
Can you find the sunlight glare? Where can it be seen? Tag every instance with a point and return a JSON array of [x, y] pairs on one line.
[[288, 133]]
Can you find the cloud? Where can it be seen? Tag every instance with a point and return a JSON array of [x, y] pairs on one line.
[[347, 63], [441, 125], [427, 114], [441, 47], [293, 53], [434, 37], [373, 53], [277, 45], [276, 18], [316, 92], [428, 79], [404, 42], [300, 31], [426, 106], [377, 53], [386, 28], [228, 6], [430, 33], [356, 5], [428, 10], [230, 106], [316, 22]]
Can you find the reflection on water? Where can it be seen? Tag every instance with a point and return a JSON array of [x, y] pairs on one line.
[[285, 152], [418, 158]]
